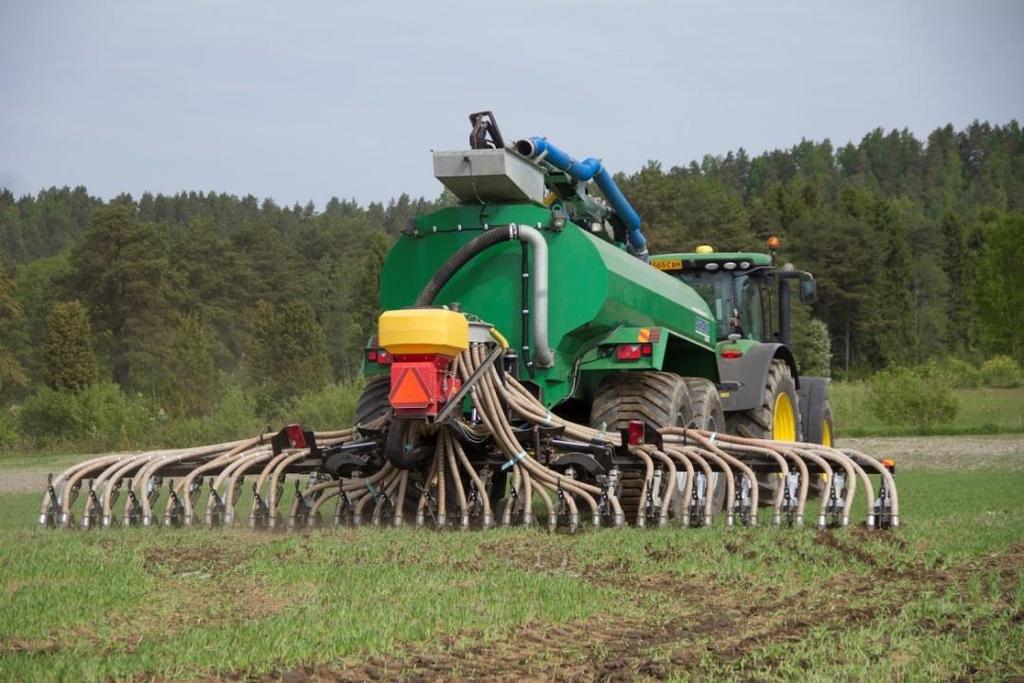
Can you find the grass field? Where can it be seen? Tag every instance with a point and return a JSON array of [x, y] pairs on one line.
[[942, 598], [982, 411]]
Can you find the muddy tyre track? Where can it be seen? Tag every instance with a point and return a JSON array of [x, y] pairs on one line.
[[706, 628]]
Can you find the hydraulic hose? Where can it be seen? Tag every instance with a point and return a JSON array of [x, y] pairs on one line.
[[489, 238]]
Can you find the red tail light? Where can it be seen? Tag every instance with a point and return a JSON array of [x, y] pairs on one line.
[[729, 354], [629, 351], [636, 432], [296, 438]]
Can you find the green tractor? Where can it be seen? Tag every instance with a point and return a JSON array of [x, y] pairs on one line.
[[762, 392]]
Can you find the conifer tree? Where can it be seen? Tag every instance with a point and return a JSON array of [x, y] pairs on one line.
[[288, 354], [11, 372], [69, 361], [190, 383]]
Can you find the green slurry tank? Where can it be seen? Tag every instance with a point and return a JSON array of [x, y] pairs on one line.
[[598, 296], [564, 273]]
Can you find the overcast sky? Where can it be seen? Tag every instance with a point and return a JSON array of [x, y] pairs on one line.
[[308, 100]]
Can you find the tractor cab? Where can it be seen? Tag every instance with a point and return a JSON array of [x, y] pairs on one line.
[[748, 295]]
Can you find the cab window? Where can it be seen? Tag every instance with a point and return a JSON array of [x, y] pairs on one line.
[[751, 307], [716, 289]]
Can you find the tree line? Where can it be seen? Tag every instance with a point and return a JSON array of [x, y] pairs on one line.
[[165, 295], [917, 245]]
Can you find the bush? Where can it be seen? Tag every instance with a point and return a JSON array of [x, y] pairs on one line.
[[97, 417], [235, 417], [954, 371], [48, 414], [813, 348], [332, 407], [907, 398], [1001, 372], [9, 435], [850, 405]]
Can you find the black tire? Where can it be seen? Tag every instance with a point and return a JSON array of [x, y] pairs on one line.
[[659, 399], [705, 413], [823, 431], [373, 402], [817, 434], [705, 405], [757, 423]]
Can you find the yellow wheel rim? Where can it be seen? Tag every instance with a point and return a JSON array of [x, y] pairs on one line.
[[826, 434], [783, 419]]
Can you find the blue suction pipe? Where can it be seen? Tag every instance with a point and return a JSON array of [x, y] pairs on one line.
[[589, 169]]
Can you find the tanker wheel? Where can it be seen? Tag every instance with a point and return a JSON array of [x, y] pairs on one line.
[[775, 419], [373, 402], [659, 399], [705, 413]]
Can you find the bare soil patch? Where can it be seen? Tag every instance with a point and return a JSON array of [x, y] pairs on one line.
[[1002, 451]]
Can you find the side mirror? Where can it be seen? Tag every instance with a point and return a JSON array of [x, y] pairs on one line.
[[808, 291]]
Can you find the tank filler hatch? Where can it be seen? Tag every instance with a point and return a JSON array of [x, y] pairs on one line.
[[489, 175]]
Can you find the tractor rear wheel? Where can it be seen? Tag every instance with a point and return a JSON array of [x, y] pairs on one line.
[[658, 399], [822, 430], [827, 426], [776, 419]]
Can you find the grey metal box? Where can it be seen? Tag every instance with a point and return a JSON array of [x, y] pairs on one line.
[[489, 175]]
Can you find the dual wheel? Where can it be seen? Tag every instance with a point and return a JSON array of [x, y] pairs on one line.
[[659, 400]]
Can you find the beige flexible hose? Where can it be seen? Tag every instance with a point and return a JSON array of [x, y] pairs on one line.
[[890, 482], [460, 492], [477, 482], [452, 478], [687, 493], [709, 500], [681, 436], [669, 485], [738, 449], [851, 479], [491, 413]]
